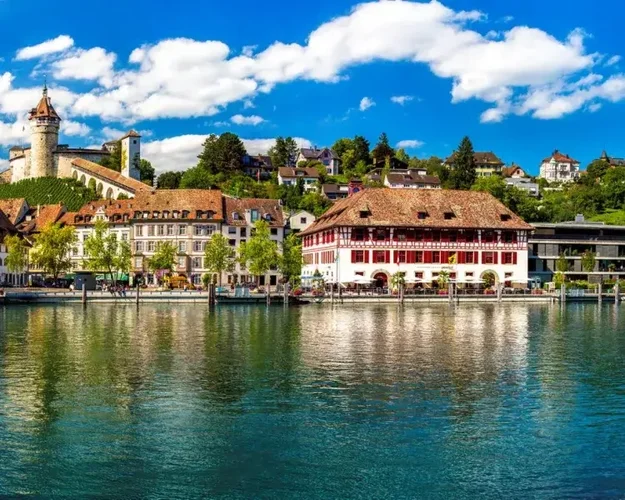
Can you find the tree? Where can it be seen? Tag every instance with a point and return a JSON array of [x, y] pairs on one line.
[[51, 251], [114, 159], [463, 173], [164, 257], [197, 178], [290, 261], [341, 146], [169, 180], [348, 162], [398, 280], [562, 265], [222, 153], [401, 155], [314, 203], [382, 148], [259, 253], [443, 279], [595, 171], [284, 152], [588, 261], [105, 253], [361, 149], [17, 254], [146, 172], [613, 188], [493, 184], [219, 256]]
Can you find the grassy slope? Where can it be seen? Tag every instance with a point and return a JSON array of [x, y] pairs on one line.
[[614, 217], [49, 190]]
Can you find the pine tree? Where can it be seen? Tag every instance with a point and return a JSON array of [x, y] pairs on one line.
[[382, 149], [463, 175]]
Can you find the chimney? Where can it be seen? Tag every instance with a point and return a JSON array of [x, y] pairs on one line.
[[580, 218]]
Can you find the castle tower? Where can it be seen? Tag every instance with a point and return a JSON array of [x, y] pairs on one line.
[[44, 137], [131, 155]]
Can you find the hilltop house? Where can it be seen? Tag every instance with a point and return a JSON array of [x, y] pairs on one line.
[[290, 176], [326, 156], [486, 163], [559, 167]]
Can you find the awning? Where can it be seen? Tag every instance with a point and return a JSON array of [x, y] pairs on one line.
[[117, 277]]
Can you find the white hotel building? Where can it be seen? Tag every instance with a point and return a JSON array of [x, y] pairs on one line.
[[378, 232]]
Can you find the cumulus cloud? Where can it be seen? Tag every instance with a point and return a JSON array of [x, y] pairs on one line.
[[410, 144], [58, 44], [613, 60], [181, 152], [92, 64], [366, 103], [247, 120], [401, 99], [69, 127]]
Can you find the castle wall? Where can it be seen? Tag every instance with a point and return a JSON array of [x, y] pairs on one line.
[[18, 167], [63, 161]]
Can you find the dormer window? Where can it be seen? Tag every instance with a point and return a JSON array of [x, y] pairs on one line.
[[176, 214], [146, 215], [165, 214], [449, 215], [185, 214], [267, 217], [254, 215], [235, 216], [125, 217], [364, 214], [422, 215], [505, 217]]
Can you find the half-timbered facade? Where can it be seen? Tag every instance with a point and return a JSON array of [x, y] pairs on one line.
[[378, 232]]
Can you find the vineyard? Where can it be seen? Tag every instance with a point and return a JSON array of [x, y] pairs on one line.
[[49, 190]]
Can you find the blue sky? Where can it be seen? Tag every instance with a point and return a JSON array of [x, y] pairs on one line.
[[520, 78]]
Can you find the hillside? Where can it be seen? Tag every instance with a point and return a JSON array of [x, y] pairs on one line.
[[47, 190], [612, 217]]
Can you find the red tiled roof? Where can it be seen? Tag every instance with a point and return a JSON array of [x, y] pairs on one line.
[[264, 206], [6, 227], [108, 175], [560, 158], [290, 172], [44, 109], [12, 208], [131, 133], [42, 216], [480, 158], [399, 208], [509, 171]]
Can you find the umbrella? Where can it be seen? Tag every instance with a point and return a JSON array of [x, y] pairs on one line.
[[410, 281], [361, 280]]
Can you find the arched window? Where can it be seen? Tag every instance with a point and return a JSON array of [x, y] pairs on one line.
[[75, 175], [109, 194], [100, 188]]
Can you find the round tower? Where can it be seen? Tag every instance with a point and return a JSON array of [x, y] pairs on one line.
[[44, 137]]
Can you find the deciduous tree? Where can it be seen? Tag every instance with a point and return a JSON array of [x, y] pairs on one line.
[[382, 148], [169, 180], [588, 261], [219, 256], [51, 251], [146, 172], [284, 152], [290, 260], [104, 252], [17, 253], [260, 253], [164, 258]]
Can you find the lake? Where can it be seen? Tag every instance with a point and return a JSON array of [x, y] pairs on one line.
[[362, 401]]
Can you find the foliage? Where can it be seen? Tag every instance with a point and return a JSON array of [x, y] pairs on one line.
[[559, 279], [401, 155], [290, 261], [489, 279], [169, 180], [562, 265], [122, 196], [615, 217], [463, 174], [146, 172], [49, 190], [284, 152], [164, 258], [443, 279], [588, 261], [259, 253], [17, 253], [361, 149], [198, 178], [398, 280], [222, 153], [51, 251], [382, 148], [219, 256], [315, 203], [113, 160], [206, 279], [105, 253], [493, 184]]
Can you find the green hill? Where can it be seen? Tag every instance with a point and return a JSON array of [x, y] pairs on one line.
[[49, 190], [612, 217]]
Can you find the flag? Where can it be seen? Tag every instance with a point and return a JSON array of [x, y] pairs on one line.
[[452, 259]]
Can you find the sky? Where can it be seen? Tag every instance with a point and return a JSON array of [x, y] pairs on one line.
[[519, 78]]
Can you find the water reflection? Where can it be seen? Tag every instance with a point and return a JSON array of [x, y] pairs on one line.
[[374, 399]]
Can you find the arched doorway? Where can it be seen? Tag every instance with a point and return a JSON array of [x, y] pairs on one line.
[[489, 278], [380, 280]]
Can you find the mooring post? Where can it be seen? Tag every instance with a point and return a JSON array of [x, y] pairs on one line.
[[563, 293], [450, 292], [600, 292], [332, 293], [84, 293], [617, 293], [137, 293], [286, 294], [499, 291], [340, 292], [211, 295]]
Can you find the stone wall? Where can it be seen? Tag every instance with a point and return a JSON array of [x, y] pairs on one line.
[[64, 161], [44, 140]]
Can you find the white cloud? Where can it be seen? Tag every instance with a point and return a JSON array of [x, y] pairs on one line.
[[613, 60], [69, 127], [248, 104], [4, 164], [181, 152], [248, 50], [13, 133], [366, 103], [92, 64], [593, 108], [401, 99], [507, 19], [410, 144], [58, 44], [247, 120]]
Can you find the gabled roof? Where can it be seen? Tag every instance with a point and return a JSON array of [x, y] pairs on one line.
[[131, 133], [12, 208], [44, 109], [269, 210], [612, 161], [510, 171], [560, 158], [108, 175], [315, 153], [296, 172], [480, 158], [41, 216], [399, 208], [412, 178], [6, 227]]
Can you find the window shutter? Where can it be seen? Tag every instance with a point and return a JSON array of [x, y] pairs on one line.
[[514, 258], [387, 257], [427, 257], [444, 257], [461, 257], [353, 256], [495, 257], [366, 252]]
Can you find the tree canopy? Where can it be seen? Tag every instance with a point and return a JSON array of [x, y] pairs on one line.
[[259, 253], [17, 253], [51, 251], [169, 180], [222, 153], [382, 148], [284, 152], [290, 260], [463, 173], [164, 258], [104, 252], [146, 172], [219, 256]]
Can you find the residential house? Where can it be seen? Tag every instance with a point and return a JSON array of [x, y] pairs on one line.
[[525, 184], [290, 176], [325, 155], [300, 220], [612, 161], [258, 167], [419, 232], [513, 172], [7, 277], [335, 191], [486, 163], [411, 180], [559, 167]]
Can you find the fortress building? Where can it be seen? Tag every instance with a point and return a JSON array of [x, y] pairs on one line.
[[47, 158]]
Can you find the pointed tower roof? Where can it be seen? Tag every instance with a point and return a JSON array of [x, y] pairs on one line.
[[44, 109]]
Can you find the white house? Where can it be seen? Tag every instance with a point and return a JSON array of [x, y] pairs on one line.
[[291, 176], [420, 232], [324, 155], [559, 168], [300, 220]]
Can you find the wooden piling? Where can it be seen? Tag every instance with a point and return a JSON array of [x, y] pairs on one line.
[[600, 292], [617, 293], [562, 293], [84, 293]]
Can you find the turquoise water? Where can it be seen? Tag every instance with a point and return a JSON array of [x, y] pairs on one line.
[[482, 401]]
